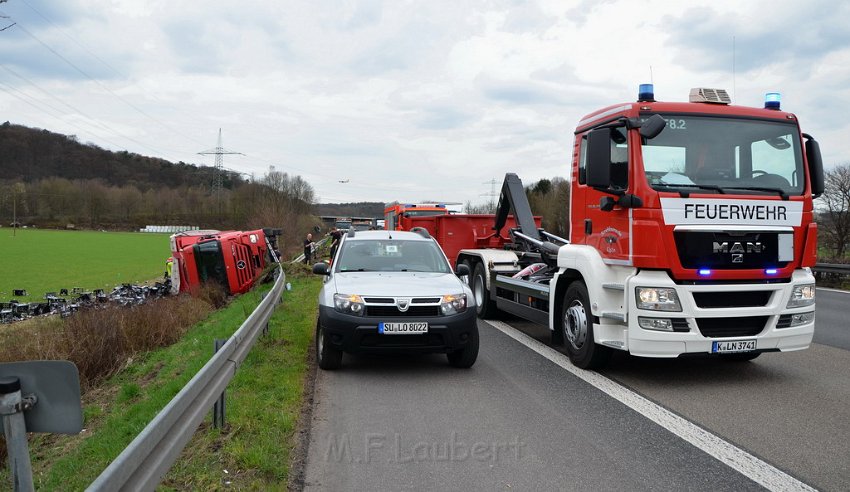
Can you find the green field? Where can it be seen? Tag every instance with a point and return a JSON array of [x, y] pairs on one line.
[[41, 261]]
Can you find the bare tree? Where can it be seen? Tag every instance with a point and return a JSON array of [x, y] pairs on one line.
[[835, 223]]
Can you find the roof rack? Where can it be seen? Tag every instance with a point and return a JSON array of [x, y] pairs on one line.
[[421, 231]]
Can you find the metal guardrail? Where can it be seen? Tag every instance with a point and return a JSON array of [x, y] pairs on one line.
[[319, 244], [143, 464], [838, 268]]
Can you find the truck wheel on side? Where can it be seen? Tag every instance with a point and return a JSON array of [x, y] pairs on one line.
[[483, 305], [328, 357], [577, 329], [465, 357]]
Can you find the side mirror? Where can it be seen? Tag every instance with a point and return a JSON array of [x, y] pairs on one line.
[[321, 269], [462, 269], [598, 173], [815, 166], [653, 126]]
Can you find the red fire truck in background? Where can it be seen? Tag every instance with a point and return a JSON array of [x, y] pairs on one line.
[[397, 216], [235, 259]]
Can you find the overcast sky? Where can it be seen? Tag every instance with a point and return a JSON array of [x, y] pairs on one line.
[[404, 100]]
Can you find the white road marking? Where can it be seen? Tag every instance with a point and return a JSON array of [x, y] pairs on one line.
[[833, 290], [736, 458]]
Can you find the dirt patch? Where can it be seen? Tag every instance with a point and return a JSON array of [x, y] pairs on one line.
[[147, 378], [298, 458]]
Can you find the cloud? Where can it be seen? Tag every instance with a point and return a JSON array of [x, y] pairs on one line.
[[409, 99], [765, 34]]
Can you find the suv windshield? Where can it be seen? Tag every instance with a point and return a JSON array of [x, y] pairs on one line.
[[725, 154], [391, 255]]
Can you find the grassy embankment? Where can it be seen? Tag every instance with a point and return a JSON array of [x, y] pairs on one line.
[[263, 400], [41, 261], [263, 404]]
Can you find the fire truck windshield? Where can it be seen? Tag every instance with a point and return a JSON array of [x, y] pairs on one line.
[[424, 213], [730, 155]]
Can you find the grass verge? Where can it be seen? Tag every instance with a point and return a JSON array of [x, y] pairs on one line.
[[41, 261], [262, 405]]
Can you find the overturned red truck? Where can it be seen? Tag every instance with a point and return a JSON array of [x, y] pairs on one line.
[[235, 259]]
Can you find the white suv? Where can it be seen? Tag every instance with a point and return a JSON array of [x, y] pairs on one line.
[[394, 291]]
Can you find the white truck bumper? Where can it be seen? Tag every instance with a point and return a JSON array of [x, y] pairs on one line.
[[758, 312]]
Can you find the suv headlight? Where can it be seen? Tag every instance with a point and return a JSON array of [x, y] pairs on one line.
[[349, 304], [802, 295], [657, 299], [453, 304]]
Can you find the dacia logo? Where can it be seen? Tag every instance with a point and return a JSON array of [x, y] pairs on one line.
[[737, 247], [402, 304]]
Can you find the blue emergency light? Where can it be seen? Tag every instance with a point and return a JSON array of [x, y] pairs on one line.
[[772, 100], [771, 271], [704, 272], [646, 93]]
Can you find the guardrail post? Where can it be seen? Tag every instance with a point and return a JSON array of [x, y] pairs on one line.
[[12, 406], [218, 406]]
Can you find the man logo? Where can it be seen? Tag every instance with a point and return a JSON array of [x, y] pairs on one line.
[[402, 303], [736, 247]]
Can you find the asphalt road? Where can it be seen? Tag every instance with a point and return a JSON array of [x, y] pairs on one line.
[[516, 420]]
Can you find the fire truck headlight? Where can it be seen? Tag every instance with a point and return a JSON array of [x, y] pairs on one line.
[[802, 295], [657, 299], [349, 304]]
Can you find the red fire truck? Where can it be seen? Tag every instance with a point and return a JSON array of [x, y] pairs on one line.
[[235, 259], [397, 215], [691, 231]]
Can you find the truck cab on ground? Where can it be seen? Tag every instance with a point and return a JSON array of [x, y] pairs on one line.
[[692, 231]]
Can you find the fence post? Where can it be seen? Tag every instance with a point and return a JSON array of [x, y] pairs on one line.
[[12, 406], [218, 406]]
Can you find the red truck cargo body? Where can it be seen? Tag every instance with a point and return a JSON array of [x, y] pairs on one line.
[[235, 259], [465, 231]]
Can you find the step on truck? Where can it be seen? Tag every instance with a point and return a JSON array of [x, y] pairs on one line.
[[234, 259], [691, 232]]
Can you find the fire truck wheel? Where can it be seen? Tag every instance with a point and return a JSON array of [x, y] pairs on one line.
[[465, 357], [328, 357], [577, 329], [483, 305], [740, 357]]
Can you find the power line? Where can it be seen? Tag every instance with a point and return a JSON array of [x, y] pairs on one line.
[[104, 87], [94, 121], [65, 33]]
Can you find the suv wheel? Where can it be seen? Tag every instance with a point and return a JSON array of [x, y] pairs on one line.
[[465, 357], [328, 357]]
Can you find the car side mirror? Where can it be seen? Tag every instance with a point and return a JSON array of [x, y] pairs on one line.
[[321, 269], [462, 269]]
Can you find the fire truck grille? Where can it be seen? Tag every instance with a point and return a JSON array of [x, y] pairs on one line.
[[713, 300], [731, 327]]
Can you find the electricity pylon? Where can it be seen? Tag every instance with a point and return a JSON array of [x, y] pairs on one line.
[[218, 180]]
